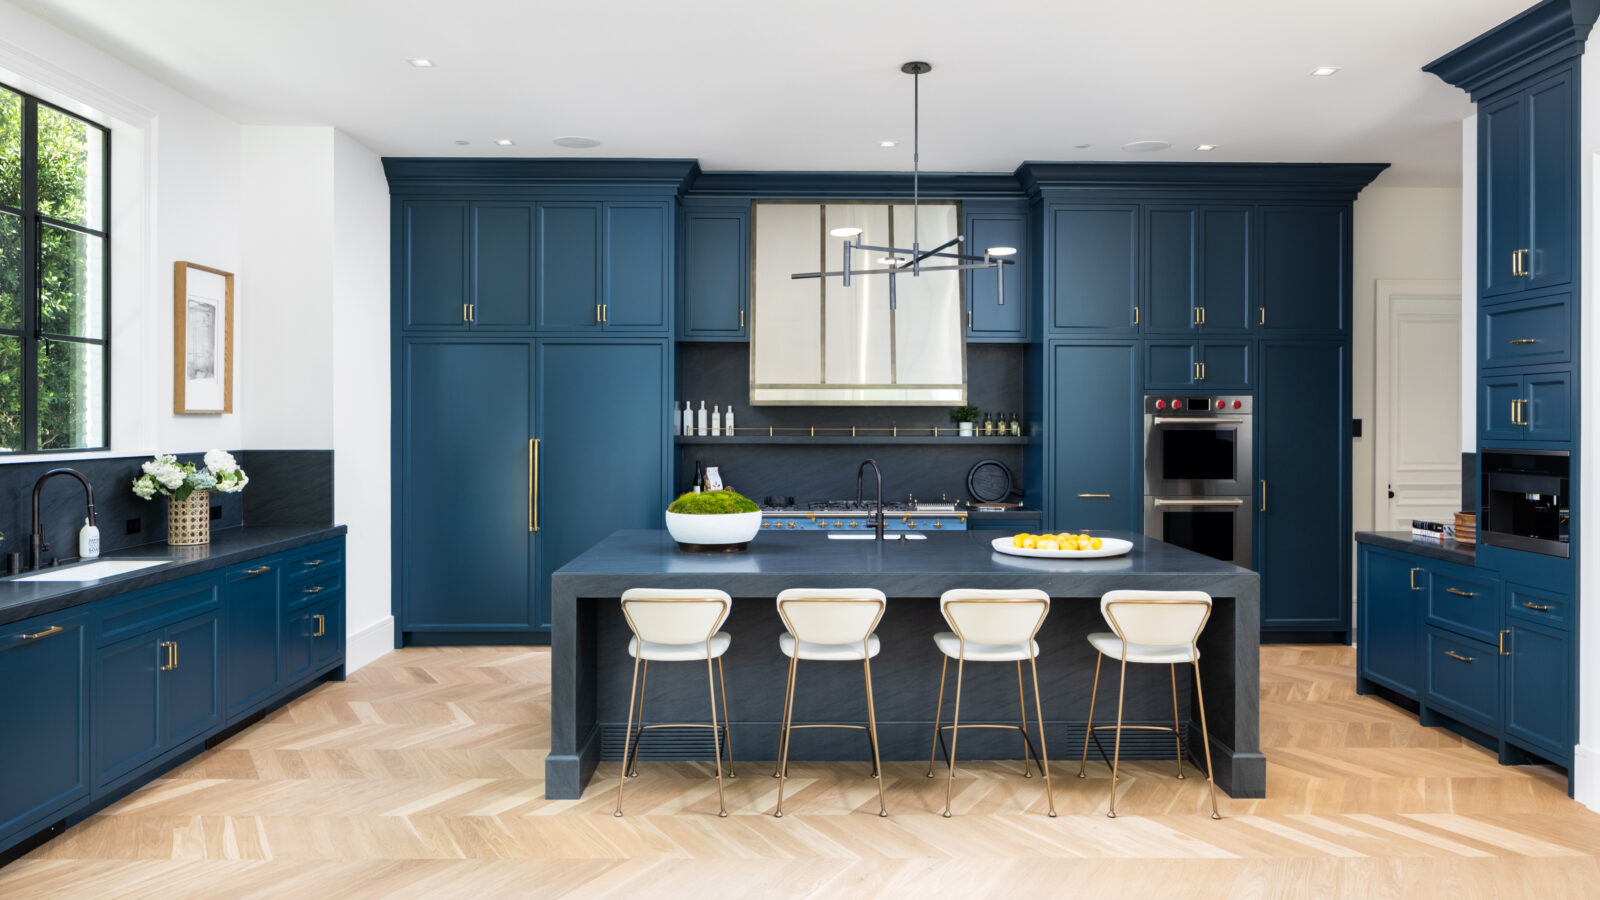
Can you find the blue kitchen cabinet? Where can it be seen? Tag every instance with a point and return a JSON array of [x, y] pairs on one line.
[[1538, 689], [502, 266], [250, 596], [1536, 406], [1528, 331], [1462, 678], [716, 274], [604, 266], [988, 318], [1305, 265], [1213, 365], [1528, 185], [1094, 465], [638, 250], [1226, 267], [1197, 269], [466, 548], [1171, 242], [1303, 464], [567, 290], [1092, 267], [604, 439], [312, 637], [1389, 598], [432, 264], [1503, 193], [44, 717]]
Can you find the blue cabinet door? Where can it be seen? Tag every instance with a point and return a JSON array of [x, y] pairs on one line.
[[1502, 194], [1538, 698], [1171, 280], [1389, 594], [604, 433], [1224, 270], [1552, 179], [1500, 398], [1549, 407], [1170, 366], [567, 291], [466, 548], [250, 600], [502, 265], [989, 319], [1304, 269], [1225, 365], [1303, 526], [1094, 464], [1528, 331], [434, 273], [638, 266], [1093, 266], [191, 686], [299, 655], [44, 756], [327, 631], [126, 705], [716, 276]]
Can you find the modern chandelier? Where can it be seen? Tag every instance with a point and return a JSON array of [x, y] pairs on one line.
[[900, 259]]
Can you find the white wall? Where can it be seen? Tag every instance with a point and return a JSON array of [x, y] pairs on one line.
[[1469, 282], [1586, 765], [1399, 233]]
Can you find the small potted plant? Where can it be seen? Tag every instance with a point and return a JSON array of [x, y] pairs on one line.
[[713, 521], [964, 416], [188, 488]]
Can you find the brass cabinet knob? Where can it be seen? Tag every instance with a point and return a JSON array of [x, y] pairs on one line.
[[822, 524], [852, 523], [938, 524], [837, 524], [911, 524]]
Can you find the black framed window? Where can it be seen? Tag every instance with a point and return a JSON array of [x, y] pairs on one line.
[[55, 266]]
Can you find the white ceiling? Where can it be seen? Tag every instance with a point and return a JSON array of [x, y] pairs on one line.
[[756, 84]]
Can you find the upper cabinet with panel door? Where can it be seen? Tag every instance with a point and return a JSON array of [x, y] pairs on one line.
[[465, 265], [1528, 182], [1198, 270], [1091, 267], [1305, 270], [716, 272], [997, 310], [604, 266]]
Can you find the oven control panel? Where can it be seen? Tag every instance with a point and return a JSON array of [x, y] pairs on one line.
[[1183, 406]]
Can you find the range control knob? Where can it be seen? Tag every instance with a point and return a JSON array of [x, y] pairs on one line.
[[852, 523], [838, 524], [1161, 404], [1177, 404], [791, 524], [823, 524]]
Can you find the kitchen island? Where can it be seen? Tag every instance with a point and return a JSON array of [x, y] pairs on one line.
[[590, 668]]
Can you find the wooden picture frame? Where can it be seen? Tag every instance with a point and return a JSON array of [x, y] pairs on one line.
[[202, 341]]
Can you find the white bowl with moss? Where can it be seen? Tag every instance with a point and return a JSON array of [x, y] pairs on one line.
[[713, 521]]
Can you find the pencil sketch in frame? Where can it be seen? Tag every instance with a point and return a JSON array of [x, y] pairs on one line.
[[202, 365]]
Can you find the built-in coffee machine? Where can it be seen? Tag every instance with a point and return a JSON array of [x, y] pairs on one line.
[[1526, 500]]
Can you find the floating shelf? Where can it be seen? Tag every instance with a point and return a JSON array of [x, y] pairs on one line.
[[847, 440]]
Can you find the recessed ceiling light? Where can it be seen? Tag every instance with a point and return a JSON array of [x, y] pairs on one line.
[[1145, 146], [888, 144], [462, 143], [576, 141], [1205, 146], [1324, 70], [506, 142], [421, 62]]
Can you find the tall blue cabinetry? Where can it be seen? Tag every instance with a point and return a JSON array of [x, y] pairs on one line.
[[550, 383]]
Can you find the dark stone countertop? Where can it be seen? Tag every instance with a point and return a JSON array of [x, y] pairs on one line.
[[1023, 512], [25, 599], [1448, 551]]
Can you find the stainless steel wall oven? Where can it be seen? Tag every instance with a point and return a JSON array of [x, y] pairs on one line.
[[1199, 473]]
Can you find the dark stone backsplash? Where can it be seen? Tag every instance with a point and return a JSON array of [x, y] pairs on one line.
[[287, 487]]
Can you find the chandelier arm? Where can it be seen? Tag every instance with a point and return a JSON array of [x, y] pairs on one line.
[[992, 264]]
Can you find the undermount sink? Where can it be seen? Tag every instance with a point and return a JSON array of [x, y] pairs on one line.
[[868, 537], [94, 571]]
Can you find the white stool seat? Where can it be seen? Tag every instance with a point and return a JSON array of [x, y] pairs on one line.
[[654, 651], [1111, 645], [950, 646], [828, 652]]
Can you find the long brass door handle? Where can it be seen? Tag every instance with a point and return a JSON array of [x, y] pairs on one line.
[[322, 625], [1095, 496], [53, 629], [1536, 607], [258, 570], [1454, 655], [1524, 340], [1414, 572], [1459, 593], [533, 485]]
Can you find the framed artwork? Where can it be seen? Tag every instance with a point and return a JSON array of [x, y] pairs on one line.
[[202, 358]]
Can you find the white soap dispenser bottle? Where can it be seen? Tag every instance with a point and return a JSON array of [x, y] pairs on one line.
[[716, 421], [88, 541], [701, 426]]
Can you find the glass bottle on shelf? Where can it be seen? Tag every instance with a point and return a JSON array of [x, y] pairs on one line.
[[1016, 426], [988, 425]]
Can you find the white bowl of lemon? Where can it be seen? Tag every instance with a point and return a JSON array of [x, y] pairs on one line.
[[1061, 546]]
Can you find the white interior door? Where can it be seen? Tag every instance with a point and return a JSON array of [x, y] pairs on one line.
[[1417, 421]]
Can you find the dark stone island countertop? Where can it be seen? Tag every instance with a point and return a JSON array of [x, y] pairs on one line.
[[25, 599], [1447, 551]]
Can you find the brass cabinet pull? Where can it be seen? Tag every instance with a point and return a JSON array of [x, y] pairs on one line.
[[322, 625], [1263, 495], [314, 590], [1459, 593], [1524, 340], [603, 311], [533, 485], [741, 318], [1414, 572], [1263, 315], [597, 313], [1516, 259], [1196, 373], [1536, 607], [1095, 496], [1454, 655], [464, 316], [171, 649], [53, 629], [1202, 368], [1136, 315], [1503, 643], [165, 649], [969, 319], [259, 570], [1195, 315], [313, 563], [1514, 419]]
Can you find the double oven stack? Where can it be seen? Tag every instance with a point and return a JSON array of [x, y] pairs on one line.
[[1199, 474]]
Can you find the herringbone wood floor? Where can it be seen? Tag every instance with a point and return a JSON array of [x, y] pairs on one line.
[[422, 777]]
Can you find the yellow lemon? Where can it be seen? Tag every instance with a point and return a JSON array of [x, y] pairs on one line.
[[1030, 542], [1048, 545], [1096, 543], [1017, 541]]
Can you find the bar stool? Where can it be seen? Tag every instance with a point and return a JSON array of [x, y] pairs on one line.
[[829, 626], [676, 626], [992, 626], [1160, 627]]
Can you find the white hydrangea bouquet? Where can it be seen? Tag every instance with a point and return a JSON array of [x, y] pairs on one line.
[[166, 476]]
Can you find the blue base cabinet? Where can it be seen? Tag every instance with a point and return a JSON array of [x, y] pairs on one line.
[[44, 716], [1389, 622], [1095, 467], [251, 644]]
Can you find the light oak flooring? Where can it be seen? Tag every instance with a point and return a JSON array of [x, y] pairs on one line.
[[422, 776]]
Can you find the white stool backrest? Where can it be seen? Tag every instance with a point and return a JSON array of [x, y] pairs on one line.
[[1157, 618], [995, 617], [844, 616], [675, 616]]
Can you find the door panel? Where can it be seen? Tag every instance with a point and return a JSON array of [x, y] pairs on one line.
[[436, 264], [1170, 365], [1303, 260], [603, 463], [568, 267], [1549, 407], [44, 717], [468, 552], [1224, 270], [638, 257], [1538, 698], [126, 705], [1171, 244], [716, 275], [1552, 182], [1416, 430], [191, 700], [1390, 621], [1094, 265], [502, 265], [1502, 192], [992, 320], [1225, 366], [1497, 414], [252, 644], [1526, 332], [1096, 450]]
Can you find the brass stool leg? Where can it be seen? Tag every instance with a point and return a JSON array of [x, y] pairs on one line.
[[1177, 736], [1205, 737], [632, 762], [1044, 751], [716, 741], [937, 712], [955, 732], [1022, 706], [1088, 730], [783, 721], [727, 723], [872, 729], [788, 724], [623, 777], [1116, 753]]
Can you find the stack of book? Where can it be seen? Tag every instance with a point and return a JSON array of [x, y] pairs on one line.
[[1466, 528], [1423, 530]]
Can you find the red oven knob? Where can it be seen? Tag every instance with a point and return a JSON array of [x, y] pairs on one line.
[[1237, 404], [1177, 404], [1161, 404], [1221, 404]]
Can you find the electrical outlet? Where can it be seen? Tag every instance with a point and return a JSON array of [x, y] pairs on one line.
[[216, 513], [134, 526]]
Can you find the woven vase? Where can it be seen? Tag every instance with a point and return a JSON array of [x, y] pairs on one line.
[[189, 521]]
